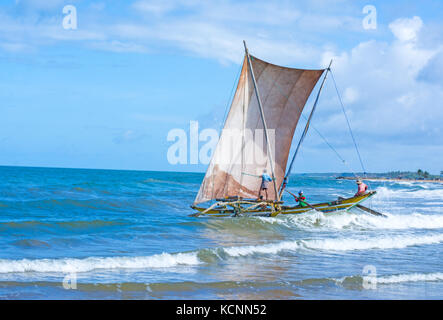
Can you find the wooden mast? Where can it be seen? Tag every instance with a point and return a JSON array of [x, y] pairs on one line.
[[263, 120]]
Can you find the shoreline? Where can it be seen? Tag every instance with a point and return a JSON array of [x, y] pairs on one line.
[[391, 179]]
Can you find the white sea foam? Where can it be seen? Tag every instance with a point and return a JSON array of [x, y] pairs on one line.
[[344, 244], [167, 260], [67, 265], [400, 278], [271, 248], [405, 183], [346, 220], [411, 221], [412, 277], [347, 244], [384, 193]]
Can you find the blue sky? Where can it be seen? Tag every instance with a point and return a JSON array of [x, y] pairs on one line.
[[106, 94]]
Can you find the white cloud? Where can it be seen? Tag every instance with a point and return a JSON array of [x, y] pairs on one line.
[[154, 6], [350, 95], [406, 29], [119, 46], [215, 29], [392, 103], [212, 29], [44, 5], [99, 6], [392, 88]]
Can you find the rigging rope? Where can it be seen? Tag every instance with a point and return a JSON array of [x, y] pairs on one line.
[[324, 139], [332, 148], [230, 98], [349, 125]]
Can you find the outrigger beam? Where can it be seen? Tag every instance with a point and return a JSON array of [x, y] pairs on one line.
[[305, 131], [277, 195], [371, 211]]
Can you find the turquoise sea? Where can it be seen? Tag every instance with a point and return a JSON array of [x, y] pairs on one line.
[[108, 234]]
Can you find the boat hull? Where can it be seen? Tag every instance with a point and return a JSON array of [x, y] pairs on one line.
[[337, 205]]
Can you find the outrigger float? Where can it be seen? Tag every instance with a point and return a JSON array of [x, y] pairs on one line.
[[256, 138]]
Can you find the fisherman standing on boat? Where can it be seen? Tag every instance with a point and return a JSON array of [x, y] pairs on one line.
[[265, 179], [362, 188]]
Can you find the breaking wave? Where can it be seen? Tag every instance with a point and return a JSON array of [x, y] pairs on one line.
[[345, 244], [413, 277], [66, 265], [393, 279], [167, 260], [423, 193], [395, 242], [347, 220], [342, 221]]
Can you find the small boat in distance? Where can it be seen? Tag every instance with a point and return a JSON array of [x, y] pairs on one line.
[[256, 139]]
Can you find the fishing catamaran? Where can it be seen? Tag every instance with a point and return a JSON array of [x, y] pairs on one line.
[[256, 138]]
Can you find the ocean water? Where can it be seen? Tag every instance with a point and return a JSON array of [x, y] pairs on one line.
[[105, 234]]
